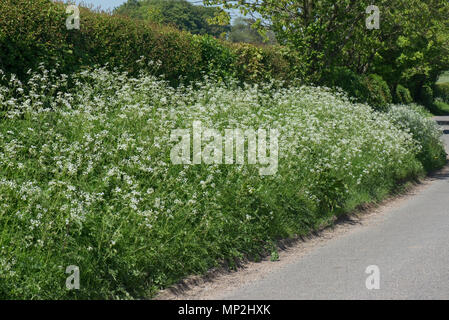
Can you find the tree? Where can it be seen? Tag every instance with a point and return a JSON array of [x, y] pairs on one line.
[[242, 31], [411, 44], [179, 13]]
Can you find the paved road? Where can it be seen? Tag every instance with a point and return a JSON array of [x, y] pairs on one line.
[[410, 246]]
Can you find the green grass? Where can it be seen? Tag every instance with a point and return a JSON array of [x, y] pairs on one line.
[[86, 177]]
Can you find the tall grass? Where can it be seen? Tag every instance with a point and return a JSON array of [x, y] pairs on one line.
[[86, 178]]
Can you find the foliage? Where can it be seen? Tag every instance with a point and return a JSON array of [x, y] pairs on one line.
[[179, 13], [424, 130], [85, 171], [441, 94], [444, 78], [86, 178], [31, 30], [411, 46], [378, 92], [218, 59], [34, 32], [440, 108], [346, 79], [426, 96], [371, 89], [442, 91], [402, 95], [249, 62], [242, 31]]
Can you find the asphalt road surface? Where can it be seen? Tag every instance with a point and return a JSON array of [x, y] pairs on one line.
[[408, 251]]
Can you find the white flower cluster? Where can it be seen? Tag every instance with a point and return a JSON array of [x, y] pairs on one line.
[[89, 167]]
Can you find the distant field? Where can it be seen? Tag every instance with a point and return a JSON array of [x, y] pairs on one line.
[[444, 77]]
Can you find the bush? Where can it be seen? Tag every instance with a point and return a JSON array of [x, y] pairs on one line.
[[378, 93], [371, 89], [34, 32], [424, 130], [347, 80], [440, 108], [31, 31], [249, 64], [403, 95], [216, 57]]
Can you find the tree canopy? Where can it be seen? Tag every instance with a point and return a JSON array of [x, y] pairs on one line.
[[179, 13], [411, 45]]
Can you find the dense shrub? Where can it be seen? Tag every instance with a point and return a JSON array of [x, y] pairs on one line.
[[284, 64], [377, 92], [34, 32], [440, 108], [216, 57], [249, 63], [402, 95], [371, 89], [260, 63], [347, 80]]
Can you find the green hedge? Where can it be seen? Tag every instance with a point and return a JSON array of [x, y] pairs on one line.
[[377, 92], [371, 89], [34, 31], [346, 80], [402, 95]]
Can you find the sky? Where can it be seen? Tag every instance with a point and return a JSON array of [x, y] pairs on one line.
[[104, 4]]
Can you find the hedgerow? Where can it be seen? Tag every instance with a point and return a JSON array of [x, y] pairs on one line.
[[370, 89], [34, 32], [402, 95], [85, 171], [86, 177]]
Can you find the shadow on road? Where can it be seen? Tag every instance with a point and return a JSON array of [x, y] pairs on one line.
[[442, 174]]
